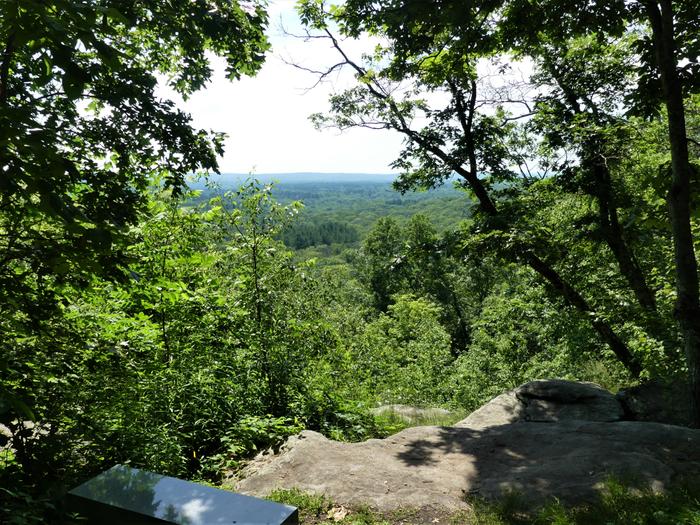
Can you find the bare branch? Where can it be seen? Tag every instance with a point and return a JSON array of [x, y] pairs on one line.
[[322, 76], [518, 117]]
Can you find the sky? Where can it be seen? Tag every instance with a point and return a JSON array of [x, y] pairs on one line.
[[266, 116]]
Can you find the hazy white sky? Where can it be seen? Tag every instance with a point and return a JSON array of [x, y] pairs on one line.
[[266, 117]]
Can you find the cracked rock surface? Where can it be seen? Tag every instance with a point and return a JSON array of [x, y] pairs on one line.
[[543, 439]]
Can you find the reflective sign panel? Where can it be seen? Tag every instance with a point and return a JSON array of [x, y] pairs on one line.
[[128, 495]]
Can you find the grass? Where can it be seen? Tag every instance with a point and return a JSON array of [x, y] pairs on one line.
[[392, 422], [619, 504], [315, 509]]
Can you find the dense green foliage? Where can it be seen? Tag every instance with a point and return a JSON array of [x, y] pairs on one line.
[[576, 82], [305, 234], [220, 342], [182, 331], [342, 212]]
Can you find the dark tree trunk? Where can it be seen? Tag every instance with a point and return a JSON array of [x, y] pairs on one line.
[[688, 302], [574, 298], [5, 68], [615, 239], [565, 289]]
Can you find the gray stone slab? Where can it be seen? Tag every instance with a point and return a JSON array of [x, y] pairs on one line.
[[439, 467]]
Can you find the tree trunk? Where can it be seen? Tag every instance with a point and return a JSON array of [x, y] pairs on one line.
[[688, 301], [574, 298], [566, 290], [5, 69], [614, 238]]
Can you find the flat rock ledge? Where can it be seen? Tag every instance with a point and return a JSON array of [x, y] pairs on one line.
[[535, 441]]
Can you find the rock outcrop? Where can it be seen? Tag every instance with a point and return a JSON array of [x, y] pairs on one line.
[[547, 401], [659, 402], [544, 439]]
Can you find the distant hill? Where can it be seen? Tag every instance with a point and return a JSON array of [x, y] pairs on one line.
[[232, 180]]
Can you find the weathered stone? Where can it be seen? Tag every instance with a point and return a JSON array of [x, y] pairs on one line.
[[547, 401], [558, 400], [501, 410], [656, 401], [544, 439], [439, 466]]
